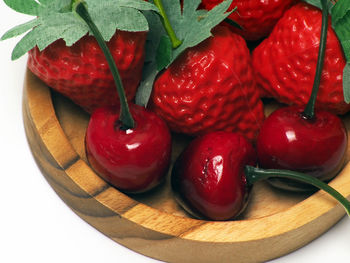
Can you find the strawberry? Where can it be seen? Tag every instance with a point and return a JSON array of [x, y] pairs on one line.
[[210, 87], [256, 17], [81, 72], [67, 59], [285, 62]]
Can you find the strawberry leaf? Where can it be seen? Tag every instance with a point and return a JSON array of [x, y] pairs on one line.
[[156, 31], [60, 25], [339, 11], [164, 52], [54, 6], [28, 7], [26, 43], [137, 4], [20, 29], [55, 26], [150, 71], [191, 25], [56, 20], [342, 30], [122, 14], [346, 83], [233, 23], [144, 92], [318, 4], [44, 1], [341, 25]]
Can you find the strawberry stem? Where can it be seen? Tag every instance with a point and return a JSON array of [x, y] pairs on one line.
[[309, 111], [125, 117], [254, 175], [171, 33]]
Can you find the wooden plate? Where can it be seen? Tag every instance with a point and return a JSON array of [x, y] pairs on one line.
[[275, 222]]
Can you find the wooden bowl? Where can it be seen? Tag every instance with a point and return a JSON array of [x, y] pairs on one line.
[[275, 222]]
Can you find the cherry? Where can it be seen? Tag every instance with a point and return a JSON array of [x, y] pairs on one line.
[[302, 139], [208, 177], [133, 160], [129, 148], [213, 176], [289, 141]]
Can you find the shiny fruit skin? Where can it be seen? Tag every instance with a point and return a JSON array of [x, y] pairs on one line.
[[210, 87], [132, 160], [256, 17], [81, 72], [289, 141], [208, 177], [285, 62]]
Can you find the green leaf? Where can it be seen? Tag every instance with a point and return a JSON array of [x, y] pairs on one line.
[[340, 10], [44, 2], [341, 24], [156, 31], [344, 36], [28, 7], [164, 52], [150, 71], [123, 15], [56, 26], [318, 4], [72, 34], [191, 25], [55, 20], [233, 23], [137, 4], [54, 6], [24, 45], [20, 29], [108, 23], [149, 74], [346, 82]]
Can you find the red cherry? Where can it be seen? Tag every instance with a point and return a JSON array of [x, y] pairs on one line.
[[314, 146], [208, 178], [212, 178], [129, 147], [133, 160], [304, 140]]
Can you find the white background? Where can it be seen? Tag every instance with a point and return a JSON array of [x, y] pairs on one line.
[[36, 226]]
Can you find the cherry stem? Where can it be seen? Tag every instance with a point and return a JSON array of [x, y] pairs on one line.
[[309, 111], [254, 175], [170, 31], [125, 116]]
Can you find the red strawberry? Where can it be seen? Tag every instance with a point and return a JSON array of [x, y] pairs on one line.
[[210, 87], [285, 63], [256, 17], [81, 72], [66, 57]]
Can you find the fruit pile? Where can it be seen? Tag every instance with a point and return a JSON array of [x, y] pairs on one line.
[[148, 69]]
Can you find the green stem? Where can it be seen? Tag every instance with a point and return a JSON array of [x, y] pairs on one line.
[[254, 175], [171, 33], [125, 116], [309, 111]]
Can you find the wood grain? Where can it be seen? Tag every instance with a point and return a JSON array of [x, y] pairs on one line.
[[274, 224]]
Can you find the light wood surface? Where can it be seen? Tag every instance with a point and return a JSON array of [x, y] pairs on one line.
[[274, 224]]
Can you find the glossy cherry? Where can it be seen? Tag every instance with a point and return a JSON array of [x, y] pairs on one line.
[[289, 141], [208, 177], [213, 176], [133, 160], [128, 147], [304, 140]]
